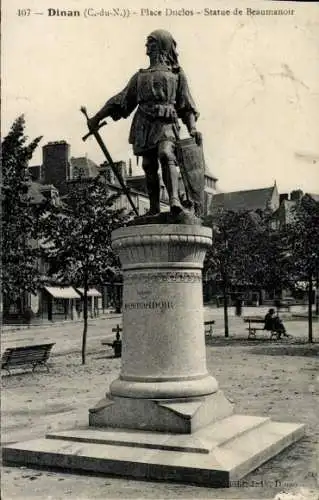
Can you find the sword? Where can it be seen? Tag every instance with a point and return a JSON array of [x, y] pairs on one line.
[[107, 155]]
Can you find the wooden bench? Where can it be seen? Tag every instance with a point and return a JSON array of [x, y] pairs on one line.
[[253, 329], [208, 326], [34, 355]]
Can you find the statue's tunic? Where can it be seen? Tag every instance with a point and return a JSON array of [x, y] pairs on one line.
[[161, 96]]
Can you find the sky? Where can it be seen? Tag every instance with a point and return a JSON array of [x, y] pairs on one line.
[[254, 78]]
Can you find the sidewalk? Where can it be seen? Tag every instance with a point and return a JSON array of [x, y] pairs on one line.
[[45, 323]]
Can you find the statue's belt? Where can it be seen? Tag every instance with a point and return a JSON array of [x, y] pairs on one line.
[[164, 111]]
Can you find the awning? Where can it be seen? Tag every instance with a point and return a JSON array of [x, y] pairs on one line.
[[65, 292], [92, 292]]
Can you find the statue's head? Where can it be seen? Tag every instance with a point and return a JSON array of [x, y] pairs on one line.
[[161, 43]]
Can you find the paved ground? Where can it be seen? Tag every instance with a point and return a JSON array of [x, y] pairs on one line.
[[276, 379]]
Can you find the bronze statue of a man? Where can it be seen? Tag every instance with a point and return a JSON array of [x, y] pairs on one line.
[[161, 95]]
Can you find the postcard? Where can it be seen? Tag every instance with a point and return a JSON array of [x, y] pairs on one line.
[[240, 80]]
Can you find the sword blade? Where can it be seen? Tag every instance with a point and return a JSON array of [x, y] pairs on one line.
[[114, 169], [107, 155]]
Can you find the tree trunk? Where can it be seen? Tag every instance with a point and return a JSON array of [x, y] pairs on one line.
[[226, 315], [50, 308], [317, 293], [310, 338], [85, 318], [6, 306], [225, 289]]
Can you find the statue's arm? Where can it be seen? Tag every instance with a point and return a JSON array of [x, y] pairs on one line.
[[186, 108], [189, 119], [119, 106]]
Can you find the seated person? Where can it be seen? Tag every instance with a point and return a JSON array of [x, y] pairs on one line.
[[269, 320], [279, 327], [274, 323]]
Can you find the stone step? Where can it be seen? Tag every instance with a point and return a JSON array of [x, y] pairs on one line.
[[201, 441], [265, 442], [230, 460]]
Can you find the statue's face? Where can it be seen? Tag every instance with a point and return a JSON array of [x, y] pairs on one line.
[[151, 46]]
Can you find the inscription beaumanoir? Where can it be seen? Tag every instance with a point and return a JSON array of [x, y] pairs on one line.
[[152, 304]]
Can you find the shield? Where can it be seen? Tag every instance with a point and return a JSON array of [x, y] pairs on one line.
[[191, 161]]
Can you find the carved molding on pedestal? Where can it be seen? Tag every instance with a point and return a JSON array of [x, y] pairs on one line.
[[158, 244]]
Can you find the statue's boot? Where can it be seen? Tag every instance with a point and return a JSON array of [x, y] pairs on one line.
[[170, 178], [153, 190]]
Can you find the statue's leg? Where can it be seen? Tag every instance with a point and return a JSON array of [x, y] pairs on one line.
[[150, 167], [166, 153]]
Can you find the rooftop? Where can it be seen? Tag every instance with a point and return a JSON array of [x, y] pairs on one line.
[[249, 200]]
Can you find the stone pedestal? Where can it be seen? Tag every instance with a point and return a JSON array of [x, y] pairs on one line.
[[164, 416], [163, 353]]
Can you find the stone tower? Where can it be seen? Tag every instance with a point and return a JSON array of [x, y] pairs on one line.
[[56, 165]]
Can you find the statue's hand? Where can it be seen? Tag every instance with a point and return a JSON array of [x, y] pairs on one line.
[[93, 123], [197, 136]]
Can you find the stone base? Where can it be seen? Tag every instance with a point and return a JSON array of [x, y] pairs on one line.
[[184, 217], [215, 455], [177, 416]]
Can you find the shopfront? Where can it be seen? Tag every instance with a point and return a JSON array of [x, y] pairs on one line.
[[59, 303], [94, 302]]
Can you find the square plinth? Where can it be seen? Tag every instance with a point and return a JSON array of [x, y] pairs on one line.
[[215, 455], [183, 416]]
